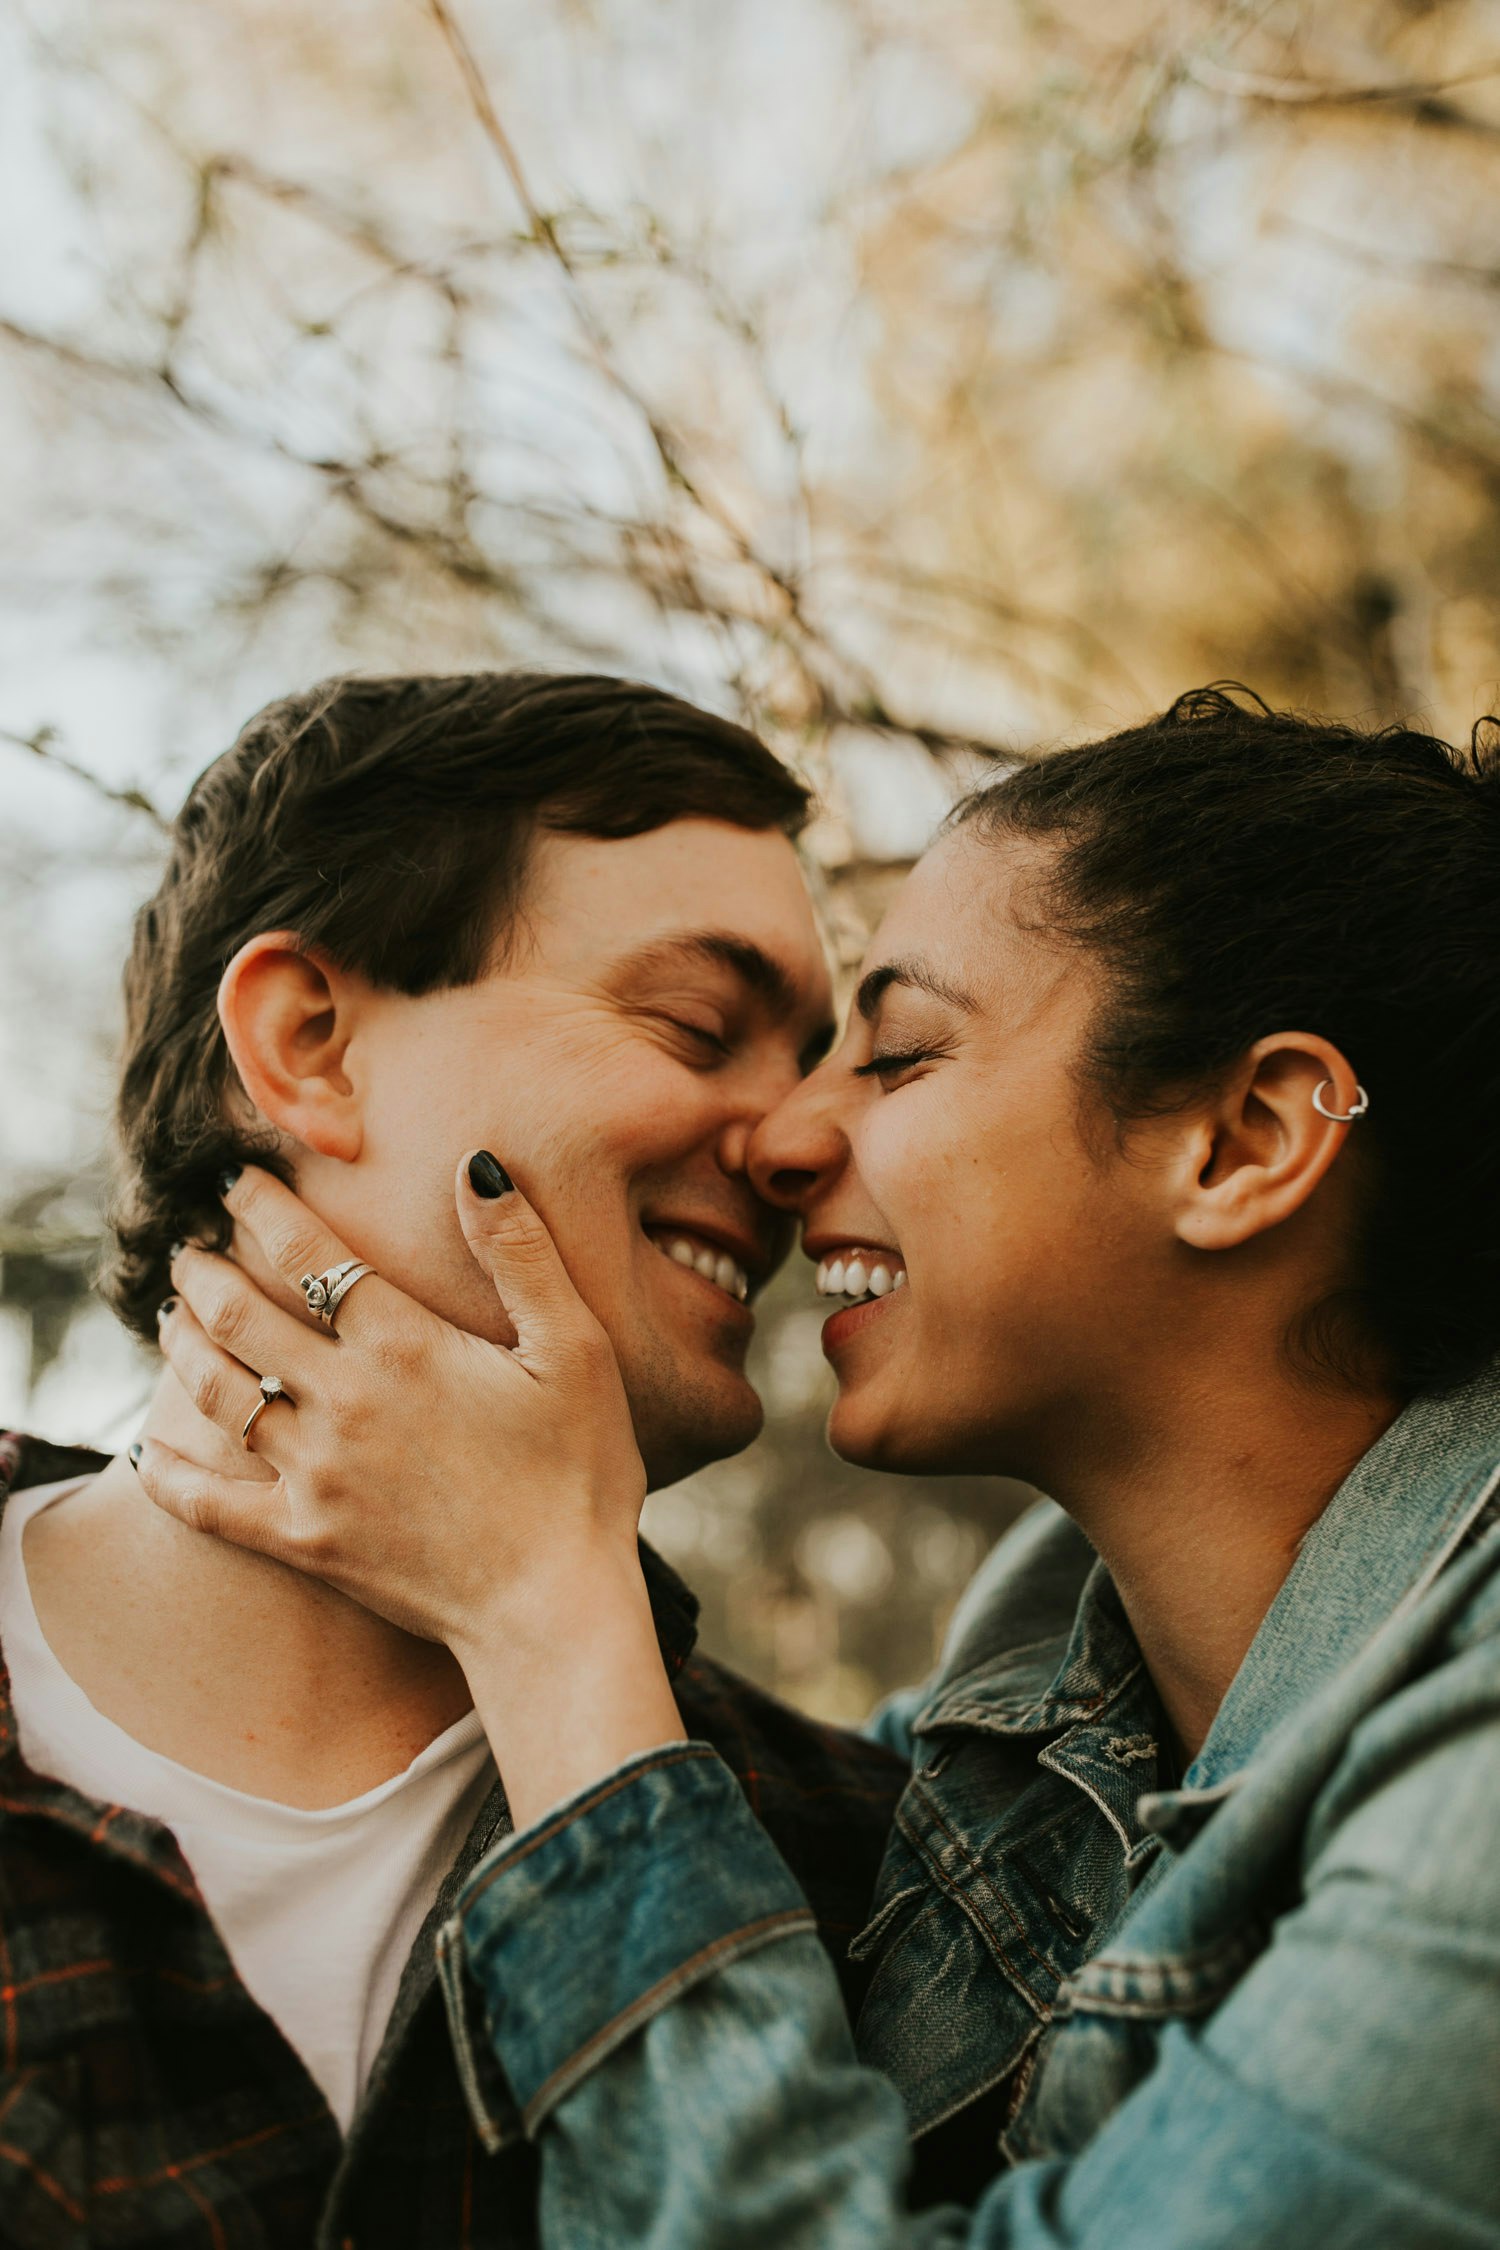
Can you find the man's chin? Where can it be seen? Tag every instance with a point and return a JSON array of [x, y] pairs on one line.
[[684, 1425]]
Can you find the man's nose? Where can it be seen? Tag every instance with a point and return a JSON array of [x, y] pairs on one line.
[[797, 1144]]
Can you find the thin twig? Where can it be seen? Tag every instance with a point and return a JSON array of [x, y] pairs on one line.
[[43, 744], [1319, 93]]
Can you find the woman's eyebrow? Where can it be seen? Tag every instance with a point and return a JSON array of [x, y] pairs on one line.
[[873, 988]]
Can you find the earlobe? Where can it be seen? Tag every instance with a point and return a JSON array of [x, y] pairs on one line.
[[288, 1017]]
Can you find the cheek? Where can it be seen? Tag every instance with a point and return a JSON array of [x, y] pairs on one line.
[[997, 1215]]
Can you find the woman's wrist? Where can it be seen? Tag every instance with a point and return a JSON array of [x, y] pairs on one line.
[[568, 1679]]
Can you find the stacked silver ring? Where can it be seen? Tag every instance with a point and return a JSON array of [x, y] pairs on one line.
[[325, 1292]]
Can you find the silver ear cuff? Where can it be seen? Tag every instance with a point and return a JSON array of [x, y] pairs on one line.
[[1337, 1117]]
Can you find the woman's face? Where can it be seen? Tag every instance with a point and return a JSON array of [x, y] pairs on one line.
[[945, 1140]]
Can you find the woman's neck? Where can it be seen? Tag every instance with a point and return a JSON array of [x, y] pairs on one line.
[[222, 1660], [1200, 1515]]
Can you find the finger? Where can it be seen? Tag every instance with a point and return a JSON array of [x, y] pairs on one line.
[[235, 1312], [510, 1242], [224, 1391], [246, 1513], [295, 1243]]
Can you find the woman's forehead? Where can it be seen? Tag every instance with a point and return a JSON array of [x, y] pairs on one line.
[[960, 911]]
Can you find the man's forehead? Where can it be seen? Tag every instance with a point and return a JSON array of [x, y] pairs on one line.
[[696, 890]]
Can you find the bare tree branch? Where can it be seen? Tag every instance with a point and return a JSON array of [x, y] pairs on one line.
[[1422, 103], [43, 744]]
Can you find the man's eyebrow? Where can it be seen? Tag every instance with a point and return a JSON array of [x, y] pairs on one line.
[[873, 988], [760, 971]]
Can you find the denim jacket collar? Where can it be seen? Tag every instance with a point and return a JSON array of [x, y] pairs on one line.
[[1391, 1526], [1406, 1505], [1053, 1684]]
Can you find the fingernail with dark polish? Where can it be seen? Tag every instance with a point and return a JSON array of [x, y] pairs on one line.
[[135, 1457], [487, 1177], [227, 1177], [167, 1307]]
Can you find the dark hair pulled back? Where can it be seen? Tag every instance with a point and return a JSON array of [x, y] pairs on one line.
[[1238, 871]]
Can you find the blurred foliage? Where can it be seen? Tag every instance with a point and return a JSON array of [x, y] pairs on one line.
[[920, 379]]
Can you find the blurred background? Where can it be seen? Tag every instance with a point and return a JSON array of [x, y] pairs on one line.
[[920, 380]]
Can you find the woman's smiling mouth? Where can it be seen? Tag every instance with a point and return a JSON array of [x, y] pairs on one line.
[[869, 1276], [857, 1272]]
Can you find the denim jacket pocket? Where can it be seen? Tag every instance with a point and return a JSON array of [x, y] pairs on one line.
[[969, 1944], [938, 2018]]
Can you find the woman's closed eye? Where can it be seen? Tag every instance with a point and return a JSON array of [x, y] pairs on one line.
[[891, 1064]]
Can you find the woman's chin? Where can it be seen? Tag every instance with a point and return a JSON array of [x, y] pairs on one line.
[[864, 1432]]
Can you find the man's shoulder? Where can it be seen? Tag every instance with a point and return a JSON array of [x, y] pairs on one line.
[[784, 1759]]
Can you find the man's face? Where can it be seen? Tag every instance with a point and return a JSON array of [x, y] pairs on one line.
[[658, 996]]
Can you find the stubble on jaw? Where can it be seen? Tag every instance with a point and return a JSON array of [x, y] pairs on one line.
[[689, 1408]]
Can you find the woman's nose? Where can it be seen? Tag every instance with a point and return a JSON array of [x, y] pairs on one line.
[[797, 1144]]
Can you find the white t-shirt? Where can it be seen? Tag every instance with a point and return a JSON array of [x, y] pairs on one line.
[[318, 1910]]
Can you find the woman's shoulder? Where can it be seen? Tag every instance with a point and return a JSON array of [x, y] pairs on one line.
[[1425, 1744]]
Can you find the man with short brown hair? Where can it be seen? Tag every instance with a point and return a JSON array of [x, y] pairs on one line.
[[400, 918]]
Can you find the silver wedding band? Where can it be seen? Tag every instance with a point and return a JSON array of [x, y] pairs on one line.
[[271, 1389], [325, 1292]]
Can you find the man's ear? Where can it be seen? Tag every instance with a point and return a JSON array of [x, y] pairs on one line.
[[1255, 1154], [288, 1018]]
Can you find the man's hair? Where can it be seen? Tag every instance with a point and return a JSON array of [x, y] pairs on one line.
[[388, 824], [1239, 871]]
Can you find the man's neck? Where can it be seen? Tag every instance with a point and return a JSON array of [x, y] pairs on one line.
[[1199, 1513], [224, 1661]]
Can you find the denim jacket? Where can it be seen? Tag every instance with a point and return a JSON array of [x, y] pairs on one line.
[[1258, 2006]]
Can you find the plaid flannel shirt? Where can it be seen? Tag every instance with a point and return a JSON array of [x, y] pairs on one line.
[[145, 2098]]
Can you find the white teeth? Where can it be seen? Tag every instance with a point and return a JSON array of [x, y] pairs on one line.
[[854, 1272], [714, 1265]]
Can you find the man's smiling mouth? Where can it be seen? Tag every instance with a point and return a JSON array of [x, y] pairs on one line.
[[707, 1259]]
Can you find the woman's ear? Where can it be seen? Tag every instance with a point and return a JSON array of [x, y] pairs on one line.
[[1259, 1150], [288, 1017]]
